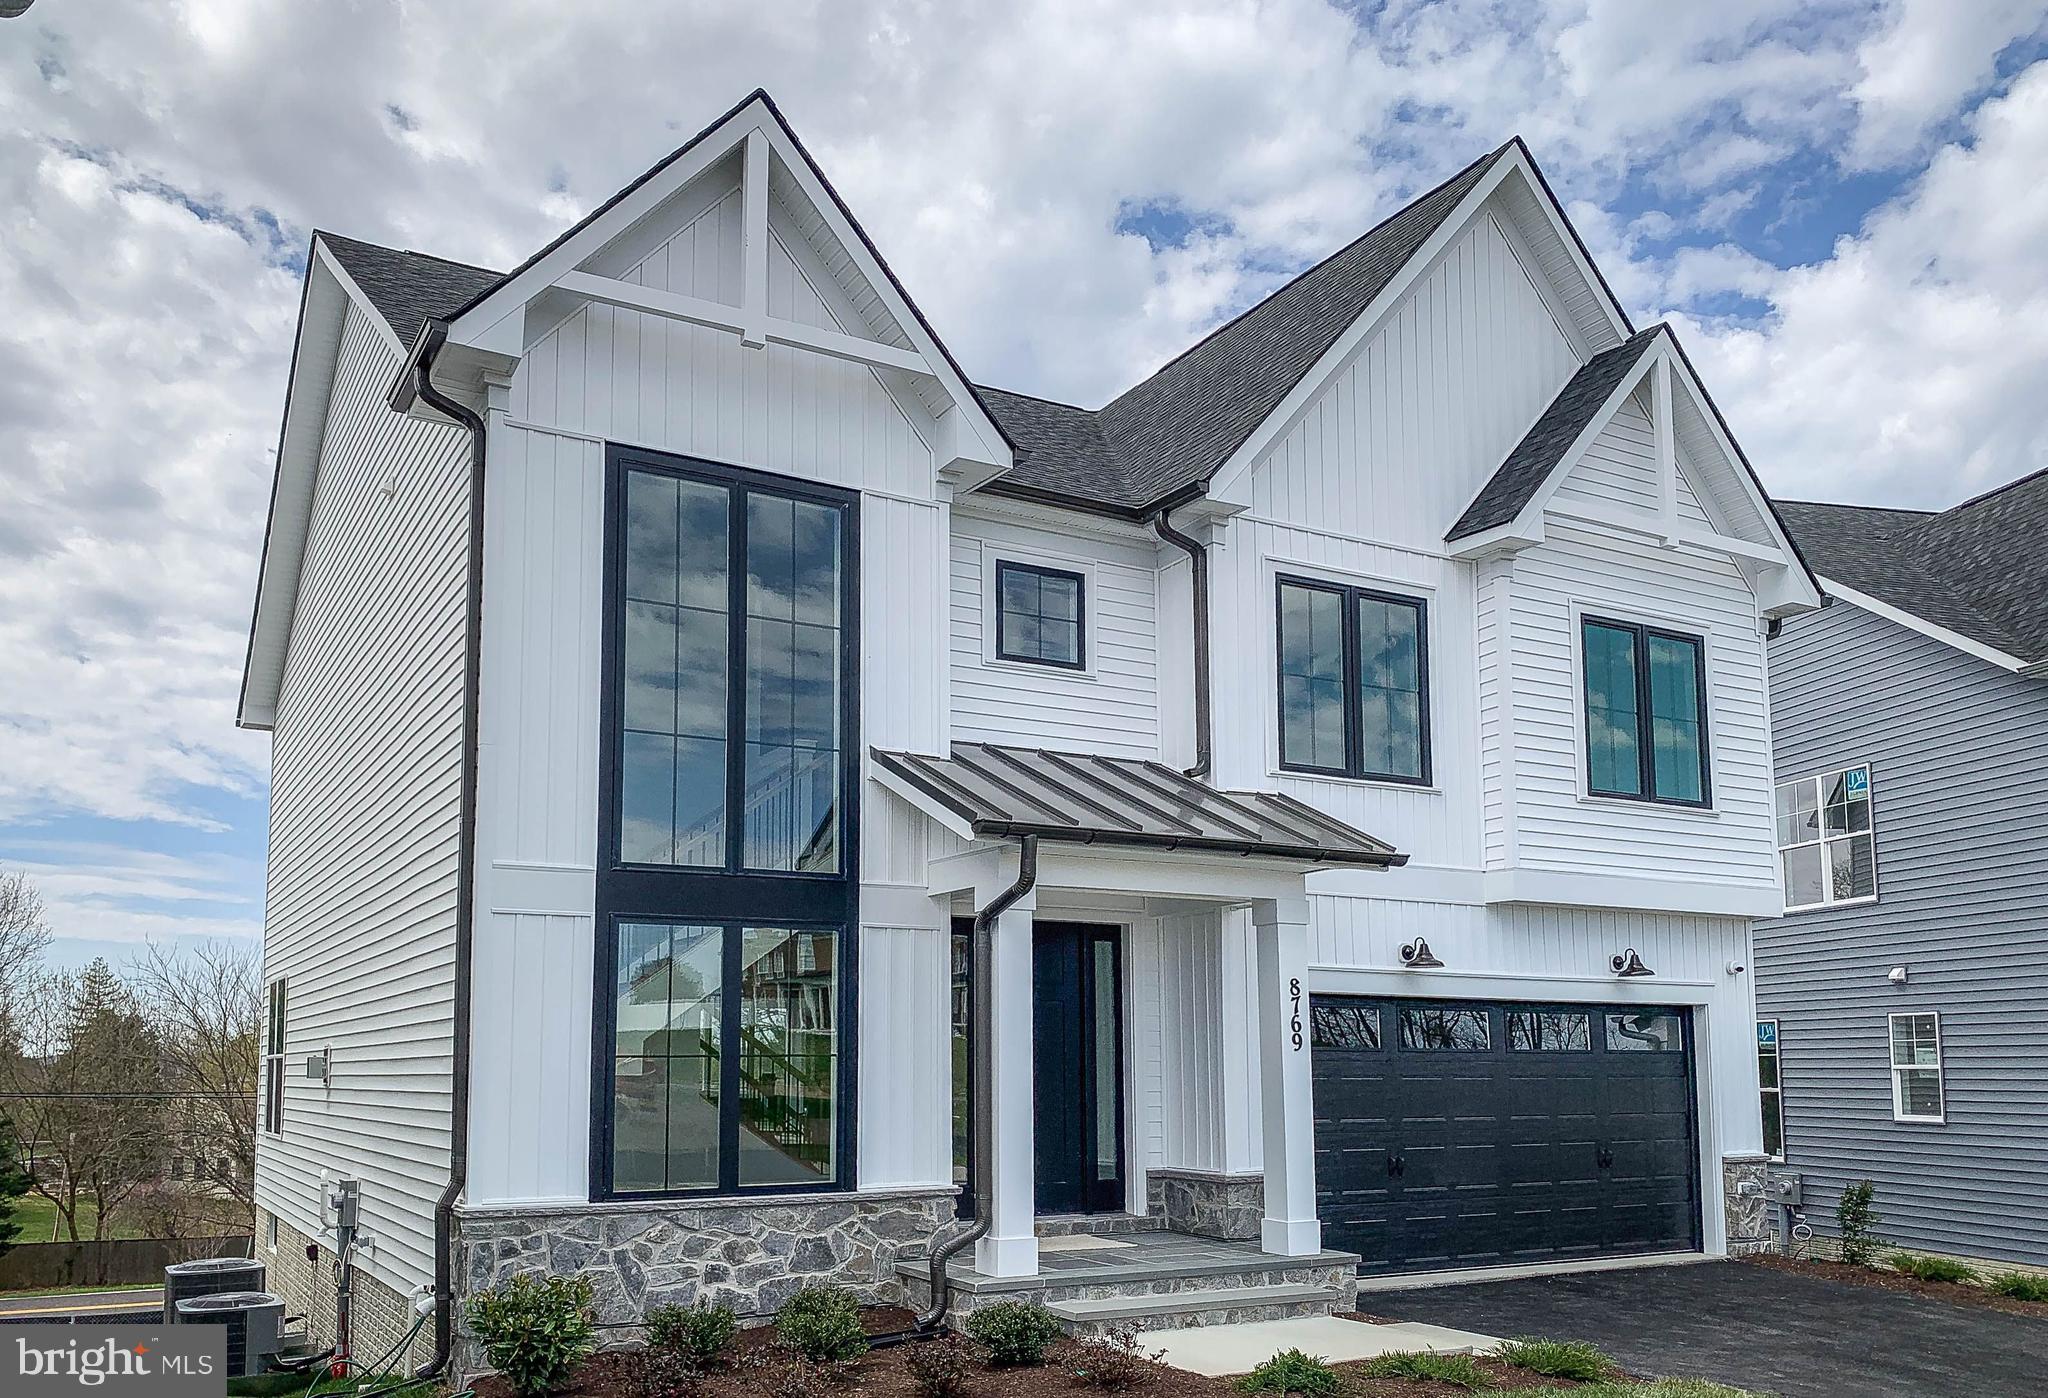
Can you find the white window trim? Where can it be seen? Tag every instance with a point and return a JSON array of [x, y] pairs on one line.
[[1899, 1113], [1580, 611], [993, 553], [1823, 839], [1778, 1056], [1271, 566]]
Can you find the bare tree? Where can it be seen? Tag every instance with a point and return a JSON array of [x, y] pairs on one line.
[[85, 1095], [23, 936], [204, 1003]]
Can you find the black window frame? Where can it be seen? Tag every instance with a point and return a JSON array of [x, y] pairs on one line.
[[732, 896], [1646, 752], [1006, 566], [274, 1056], [1349, 595]]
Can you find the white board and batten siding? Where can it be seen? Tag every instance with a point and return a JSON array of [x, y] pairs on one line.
[[604, 374], [366, 763]]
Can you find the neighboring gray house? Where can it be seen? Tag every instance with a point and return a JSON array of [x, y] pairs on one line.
[[1903, 1000]]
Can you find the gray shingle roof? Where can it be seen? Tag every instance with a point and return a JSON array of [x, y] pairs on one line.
[[407, 288], [1078, 798], [1181, 424], [1977, 569], [1529, 465]]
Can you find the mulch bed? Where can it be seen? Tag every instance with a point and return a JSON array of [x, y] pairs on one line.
[[881, 1374], [1885, 1279]]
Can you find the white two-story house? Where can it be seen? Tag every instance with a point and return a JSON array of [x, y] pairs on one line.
[[1325, 790]]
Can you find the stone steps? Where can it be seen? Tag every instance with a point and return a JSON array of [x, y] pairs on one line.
[[1230, 1305]]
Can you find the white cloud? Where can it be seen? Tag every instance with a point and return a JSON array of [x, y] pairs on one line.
[[1918, 71], [169, 157]]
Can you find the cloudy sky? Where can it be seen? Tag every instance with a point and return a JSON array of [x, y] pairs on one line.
[[1844, 205]]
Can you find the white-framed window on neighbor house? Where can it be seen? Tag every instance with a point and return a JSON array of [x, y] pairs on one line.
[[1770, 1087], [1916, 1067], [273, 1060], [1825, 840]]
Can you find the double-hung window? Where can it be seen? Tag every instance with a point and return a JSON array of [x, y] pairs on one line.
[[1916, 1067], [1646, 713], [1771, 1088], [1825, 841], [725, 889], [273, 1060], [1354, 682], [1040, 615]]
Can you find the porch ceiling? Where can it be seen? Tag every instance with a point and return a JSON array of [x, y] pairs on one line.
[[991, 792]]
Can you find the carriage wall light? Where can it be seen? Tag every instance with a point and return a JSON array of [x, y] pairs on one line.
[[1628, 964], [1417, 956]]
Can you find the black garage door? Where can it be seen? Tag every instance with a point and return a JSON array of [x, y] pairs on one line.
[[1466, 1134]]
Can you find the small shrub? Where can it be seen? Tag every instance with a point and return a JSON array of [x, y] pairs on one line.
[[535, 1330], [1557, 1359], [2022, 1287], [1114, 1363], [1014, 1332], [663, 1373], [802, 1378], [1932, 1269], [822, 1324], [1856, 1220], [697, 1335], [940, 1368], [1291, 1371], [1457, 1370]]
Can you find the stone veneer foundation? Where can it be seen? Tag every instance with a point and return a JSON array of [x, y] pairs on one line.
[[1747, 1209], [750, 1254], [1207, 1203], [382, 1314]]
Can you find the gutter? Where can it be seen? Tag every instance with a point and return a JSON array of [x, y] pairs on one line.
[[433, 337], [981, 1075], [1198, 560]]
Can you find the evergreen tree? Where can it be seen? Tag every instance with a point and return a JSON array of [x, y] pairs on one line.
[[14, 1183]]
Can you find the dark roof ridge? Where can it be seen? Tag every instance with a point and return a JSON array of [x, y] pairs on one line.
[[1979, 499], [1316, 266], [1036, 398]]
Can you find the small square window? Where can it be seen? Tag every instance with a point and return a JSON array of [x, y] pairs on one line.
[[1040, 615]]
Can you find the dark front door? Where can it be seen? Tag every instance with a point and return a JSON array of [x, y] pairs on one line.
[[1078, 1068], [1460, 1134]]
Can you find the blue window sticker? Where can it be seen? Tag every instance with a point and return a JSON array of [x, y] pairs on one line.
[[1856, 781], [1766, 1034]]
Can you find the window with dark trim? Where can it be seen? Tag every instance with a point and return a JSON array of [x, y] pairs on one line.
[[1041, 615], [1354, 681], [273, 1060], [1646, 713], [724, 1028]]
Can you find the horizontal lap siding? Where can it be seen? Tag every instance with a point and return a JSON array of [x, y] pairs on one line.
[[1114, 710], [1617, 577], [1956, 749], [365, 819]]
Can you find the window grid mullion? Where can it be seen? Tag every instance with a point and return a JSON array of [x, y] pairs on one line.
[[1354, 687], [736, 678], [729, 1059]]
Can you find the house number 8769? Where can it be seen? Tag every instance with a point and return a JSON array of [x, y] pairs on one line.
[[1294, 1012]]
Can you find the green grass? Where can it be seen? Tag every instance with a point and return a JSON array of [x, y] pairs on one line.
[[1458, 1370], [2022, 1287], [1933, 1269], [40, 1222], [1558, 1359]]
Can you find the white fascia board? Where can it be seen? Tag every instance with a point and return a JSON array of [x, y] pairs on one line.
[[1231, 476], [316, 345], [2004, 660], [1622, 891]]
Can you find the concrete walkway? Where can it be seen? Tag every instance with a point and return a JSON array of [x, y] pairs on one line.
[[1239, 1349]]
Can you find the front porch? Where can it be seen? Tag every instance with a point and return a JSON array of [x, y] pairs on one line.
[[1150, 1278]]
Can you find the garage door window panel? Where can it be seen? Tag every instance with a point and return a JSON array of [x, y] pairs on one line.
[[1344, 1026], [1649, 1031], [1453, 1028], [1550, 1031]]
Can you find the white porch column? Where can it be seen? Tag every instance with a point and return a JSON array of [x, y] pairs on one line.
[[1010, 1247], [1280, 927]]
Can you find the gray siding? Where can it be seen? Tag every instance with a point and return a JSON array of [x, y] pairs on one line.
[[1958, 752]]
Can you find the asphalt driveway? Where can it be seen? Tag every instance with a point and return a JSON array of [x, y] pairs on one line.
[[1770, 1331]]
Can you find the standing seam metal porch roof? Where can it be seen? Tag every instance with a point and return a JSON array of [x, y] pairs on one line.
[[1087, 799]]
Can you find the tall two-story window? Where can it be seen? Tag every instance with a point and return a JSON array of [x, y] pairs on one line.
[[1646, 713], [1354, 682], [1825, 840], [725, 886]]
